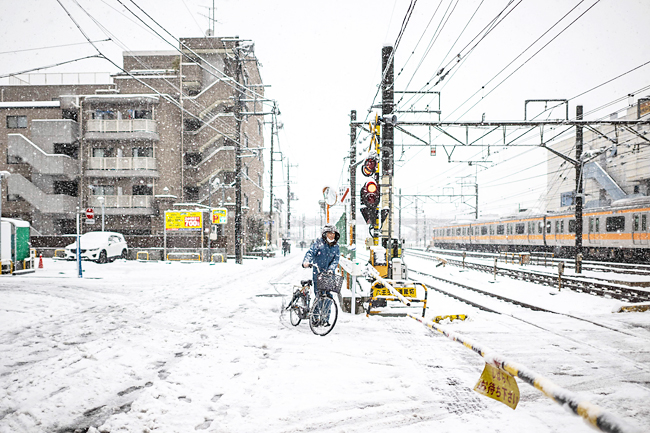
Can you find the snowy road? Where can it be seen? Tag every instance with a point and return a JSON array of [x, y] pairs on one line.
[[143, 347]]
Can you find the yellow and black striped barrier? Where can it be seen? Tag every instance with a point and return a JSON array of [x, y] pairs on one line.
[[596, 416]]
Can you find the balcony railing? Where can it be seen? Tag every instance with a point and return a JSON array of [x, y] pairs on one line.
[[122, 163], [122, 125], [128, 201]]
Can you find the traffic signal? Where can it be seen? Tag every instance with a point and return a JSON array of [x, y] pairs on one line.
[[370, 194], [369, 167]]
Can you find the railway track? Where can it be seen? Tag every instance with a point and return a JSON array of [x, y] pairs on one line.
[[549, 260], [597, 288]]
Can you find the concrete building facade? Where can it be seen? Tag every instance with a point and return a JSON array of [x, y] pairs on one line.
[[159, 136], [617, 164]]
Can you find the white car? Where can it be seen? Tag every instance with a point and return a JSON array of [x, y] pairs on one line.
[[98, 246]]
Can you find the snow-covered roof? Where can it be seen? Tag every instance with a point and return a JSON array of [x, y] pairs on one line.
[[30, 104]]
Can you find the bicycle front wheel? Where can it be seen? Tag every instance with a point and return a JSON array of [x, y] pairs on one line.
[[323, 315], [297, 310]]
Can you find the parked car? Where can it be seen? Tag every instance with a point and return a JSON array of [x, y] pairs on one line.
[[99, 246]]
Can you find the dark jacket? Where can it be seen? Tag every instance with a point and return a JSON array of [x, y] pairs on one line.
[[324, 255]]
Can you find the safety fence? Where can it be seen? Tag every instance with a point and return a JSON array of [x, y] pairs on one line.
[[596, 416]]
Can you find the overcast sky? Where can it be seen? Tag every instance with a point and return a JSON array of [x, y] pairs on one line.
[[323, 59]]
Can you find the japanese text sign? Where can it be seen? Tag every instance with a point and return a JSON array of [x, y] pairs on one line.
[[183, 221], [499, 385], [219, 216]]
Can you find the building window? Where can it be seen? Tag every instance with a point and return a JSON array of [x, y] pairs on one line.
[[245, 200], [259, 179], [14, 122], [259, 206], [102, 152], [142, 190], [103, 189], [615, 224], [567, 199], [142, 152]]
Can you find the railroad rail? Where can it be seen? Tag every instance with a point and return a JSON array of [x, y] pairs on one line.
[[615, 291], [547, 259]]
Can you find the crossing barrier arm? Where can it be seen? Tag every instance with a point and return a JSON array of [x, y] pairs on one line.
[[596, 416]]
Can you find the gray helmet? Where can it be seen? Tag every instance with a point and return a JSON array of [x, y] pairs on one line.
[[327, 228]]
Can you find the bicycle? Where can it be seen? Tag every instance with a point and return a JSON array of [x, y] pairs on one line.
[[324, 312]]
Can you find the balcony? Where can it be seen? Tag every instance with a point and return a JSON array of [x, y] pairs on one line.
[[122, 167], [122, 204], [98, 129]]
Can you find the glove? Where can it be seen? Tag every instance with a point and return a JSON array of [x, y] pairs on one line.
[[306, 265]]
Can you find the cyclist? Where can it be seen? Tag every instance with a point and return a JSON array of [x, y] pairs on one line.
[[324, 252]]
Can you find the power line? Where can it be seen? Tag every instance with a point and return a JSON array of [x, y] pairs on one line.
[[51, 46]]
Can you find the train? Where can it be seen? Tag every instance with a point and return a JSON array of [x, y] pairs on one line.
[[618, 232]]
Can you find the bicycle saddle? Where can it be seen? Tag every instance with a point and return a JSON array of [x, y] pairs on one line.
[[306, 282]]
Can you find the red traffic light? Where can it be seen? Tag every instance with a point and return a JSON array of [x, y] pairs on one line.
[[369, 167], [370, 194]]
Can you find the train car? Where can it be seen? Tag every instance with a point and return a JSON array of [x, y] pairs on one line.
[[618, 232]]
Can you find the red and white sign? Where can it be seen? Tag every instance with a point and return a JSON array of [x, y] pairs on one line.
[[90, 213]]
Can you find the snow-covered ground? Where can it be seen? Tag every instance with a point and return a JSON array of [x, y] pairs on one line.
[[175, 347]]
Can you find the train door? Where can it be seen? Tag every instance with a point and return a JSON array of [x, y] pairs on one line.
[[640, 229]]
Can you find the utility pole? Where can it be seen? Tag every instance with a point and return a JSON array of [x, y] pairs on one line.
[[353, 183], [273, 120], [238, 171], [387, 103], [579, 189]]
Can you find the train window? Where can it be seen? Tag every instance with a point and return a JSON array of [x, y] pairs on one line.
[[572, 226], [458, 231], [520, 229], [484, 230], [448, 232], [597, 225], [636, 222], [591, 225], [562, 226], [491, 230], [540, 227], [557, 226], [615, 224], [500, 229], [644, 222], [531, 227], [548, 227]]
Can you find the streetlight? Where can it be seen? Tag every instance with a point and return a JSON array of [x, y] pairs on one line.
[[3, 174], [101, 200]]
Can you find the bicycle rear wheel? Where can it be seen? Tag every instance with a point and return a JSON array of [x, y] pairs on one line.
[[323, 315], [297, 309]]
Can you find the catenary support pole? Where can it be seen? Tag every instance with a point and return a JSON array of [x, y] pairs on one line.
[[579, 189], [387, 103], [353, 185]]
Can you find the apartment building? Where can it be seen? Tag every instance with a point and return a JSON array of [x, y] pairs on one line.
[[158, 136]]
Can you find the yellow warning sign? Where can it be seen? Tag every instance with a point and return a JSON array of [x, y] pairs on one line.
[[499, 385]]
